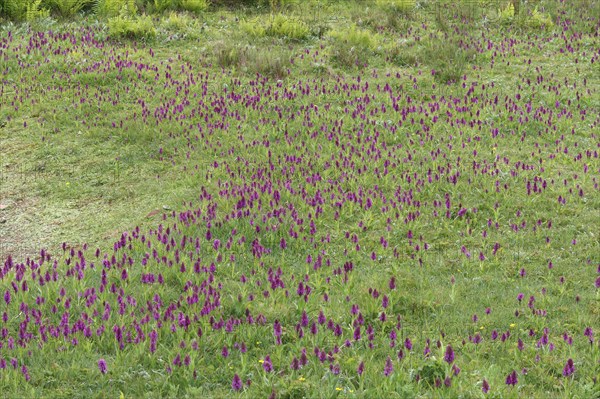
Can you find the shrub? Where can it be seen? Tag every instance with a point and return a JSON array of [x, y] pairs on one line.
[[278, 26], [112, 8], [507, 14], [352, 46], [34, 11], [253, 28], [195, 6], [28, 10], [130, 25], [539, 20], [68, 8], [176, 22], [360, 38], [289, 27], [163, 5], [13, 9]]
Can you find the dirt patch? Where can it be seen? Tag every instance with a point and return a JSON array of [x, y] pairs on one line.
[[21, 235]]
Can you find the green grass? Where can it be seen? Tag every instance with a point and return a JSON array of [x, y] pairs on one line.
[[248, 139]]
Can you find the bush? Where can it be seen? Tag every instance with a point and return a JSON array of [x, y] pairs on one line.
[[507, 14], [163, 5], [68, 8], [288, 27], [539, 20], [112, 8], [13, 9], [28, 10], [195, 6], [360, 38], [278, 26], [253, 28], [352, 46], [176, 22], [34, 11], [130, 25]]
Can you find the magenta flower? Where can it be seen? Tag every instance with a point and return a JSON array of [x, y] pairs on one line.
[[512, 378], [485, 387], [449, 355], [25, 372], [361, 368], [102, 366], [357, 333], [569, 368], [267, 364], [236, 383], [455, 369], [277, 331], [590, 334], [389, 367], [520, 297]]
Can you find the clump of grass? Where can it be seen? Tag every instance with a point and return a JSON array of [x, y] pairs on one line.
[[269, 64], [279, 25], [352, 46], [228, 55], [279, 5], [447, 60], [397, 7], [175, 21], [401, 55], [252, 60]]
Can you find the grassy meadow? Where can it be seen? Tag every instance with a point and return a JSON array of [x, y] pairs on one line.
[[317, 199]]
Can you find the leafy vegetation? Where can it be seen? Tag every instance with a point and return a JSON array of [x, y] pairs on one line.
[[130, 25]]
